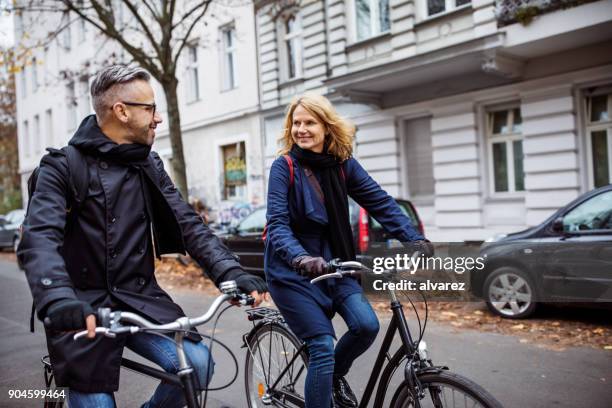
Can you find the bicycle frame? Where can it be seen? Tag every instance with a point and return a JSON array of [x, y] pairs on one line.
[[398, 324]]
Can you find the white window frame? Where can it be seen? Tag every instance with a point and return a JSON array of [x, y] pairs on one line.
[[508, 139], [375, 28], [449, 7], [193, 74], [592, 127], [229, 55], [296, 37]]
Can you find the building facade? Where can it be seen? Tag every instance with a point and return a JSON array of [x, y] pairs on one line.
[[489, 115], [218, 98]]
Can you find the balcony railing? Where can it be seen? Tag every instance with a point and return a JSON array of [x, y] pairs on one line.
[[524, 11]]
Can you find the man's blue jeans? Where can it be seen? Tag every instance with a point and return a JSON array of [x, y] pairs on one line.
[[162, 351], [326, 362]]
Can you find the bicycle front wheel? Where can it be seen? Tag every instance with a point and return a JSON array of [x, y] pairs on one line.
[[445, 389], [275, 368]]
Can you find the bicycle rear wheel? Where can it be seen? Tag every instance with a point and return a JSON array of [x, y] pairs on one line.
[[445, 389], [275, 356]]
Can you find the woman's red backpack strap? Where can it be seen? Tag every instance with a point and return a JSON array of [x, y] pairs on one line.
[[289, 161]]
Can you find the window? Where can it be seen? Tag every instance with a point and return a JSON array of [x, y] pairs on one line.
[[440, 6], [292, 47], [36, 139], [193, 84], [234, 171], [372, 18], [34, 73], [505, 145], [82, 24], [599, 135], [26, 139], [594, 214], [23, 83], [66, 37], [49, 127], [71, 106], [228, 37], [418, 153]]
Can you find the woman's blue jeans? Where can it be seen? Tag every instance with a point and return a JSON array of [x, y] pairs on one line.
[[162, 351], [326, 362]]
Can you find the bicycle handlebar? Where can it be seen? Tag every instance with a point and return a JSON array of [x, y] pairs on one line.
[[111, 320], [350, 268]]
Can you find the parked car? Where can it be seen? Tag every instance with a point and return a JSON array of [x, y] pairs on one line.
[[246, 241], [567, 258], [9, 229]]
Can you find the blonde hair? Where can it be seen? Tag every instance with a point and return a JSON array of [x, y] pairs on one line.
[[339, 131]]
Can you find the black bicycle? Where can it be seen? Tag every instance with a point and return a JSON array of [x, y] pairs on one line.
[[112, 324], [277, 361]]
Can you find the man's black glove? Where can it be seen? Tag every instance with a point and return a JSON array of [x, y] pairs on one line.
[[423, 246], [245, 281], [310, 266], [67, 315]]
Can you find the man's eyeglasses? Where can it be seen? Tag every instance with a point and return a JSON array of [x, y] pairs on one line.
[[151, 106]]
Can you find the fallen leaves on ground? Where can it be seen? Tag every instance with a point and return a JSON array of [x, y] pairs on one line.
[[541, 331]]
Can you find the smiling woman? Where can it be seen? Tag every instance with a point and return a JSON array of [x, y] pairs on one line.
[[307, 206]]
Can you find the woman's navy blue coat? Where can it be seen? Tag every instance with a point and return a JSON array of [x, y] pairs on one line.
[[297, 225]]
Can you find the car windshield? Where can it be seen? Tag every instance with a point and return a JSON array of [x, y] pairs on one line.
[[375, 225], [593, 214], [254, 222]]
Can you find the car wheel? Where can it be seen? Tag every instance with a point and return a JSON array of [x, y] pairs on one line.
[[510, 293]]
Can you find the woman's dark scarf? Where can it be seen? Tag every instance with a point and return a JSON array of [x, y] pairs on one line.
[[336, 199]]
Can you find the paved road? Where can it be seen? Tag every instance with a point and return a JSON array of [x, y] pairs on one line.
[[519, 375]]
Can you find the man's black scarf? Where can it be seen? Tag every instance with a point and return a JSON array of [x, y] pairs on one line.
[[90, 139], [336, 199]]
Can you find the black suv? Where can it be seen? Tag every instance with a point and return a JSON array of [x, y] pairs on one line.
[[245, 240], [567, 258]]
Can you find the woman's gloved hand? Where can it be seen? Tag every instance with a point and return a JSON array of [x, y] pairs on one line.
[[310, 266], [424, 247]]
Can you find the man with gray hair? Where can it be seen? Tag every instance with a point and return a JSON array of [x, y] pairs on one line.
[[91, 235]]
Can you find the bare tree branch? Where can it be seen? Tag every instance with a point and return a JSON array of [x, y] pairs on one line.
[[183, 42], [144, 25]]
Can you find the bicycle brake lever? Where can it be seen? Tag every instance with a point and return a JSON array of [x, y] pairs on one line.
[[326, 276]]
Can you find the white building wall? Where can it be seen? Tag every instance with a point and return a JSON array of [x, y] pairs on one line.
[[551, 151]]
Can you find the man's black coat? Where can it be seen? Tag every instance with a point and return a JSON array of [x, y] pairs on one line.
[[103, 253]]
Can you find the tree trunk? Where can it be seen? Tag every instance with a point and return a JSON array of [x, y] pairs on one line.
[[176, 140]]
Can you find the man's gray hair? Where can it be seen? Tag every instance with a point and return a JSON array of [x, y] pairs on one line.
[[102, 94]]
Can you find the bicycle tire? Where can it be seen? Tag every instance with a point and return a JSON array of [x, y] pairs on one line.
[[467, 391], [269, 341]]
